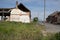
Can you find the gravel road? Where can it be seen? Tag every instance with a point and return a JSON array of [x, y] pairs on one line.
[[52, 28]]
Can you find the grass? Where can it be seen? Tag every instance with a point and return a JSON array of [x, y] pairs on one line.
[[28, 31], [20, 31]]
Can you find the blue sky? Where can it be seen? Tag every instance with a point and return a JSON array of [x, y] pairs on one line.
[[36, 6]]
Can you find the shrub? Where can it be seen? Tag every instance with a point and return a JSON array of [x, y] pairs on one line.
[[35, 19], [57, 36]]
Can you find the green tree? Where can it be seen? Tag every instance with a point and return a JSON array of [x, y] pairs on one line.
[[35, 19]]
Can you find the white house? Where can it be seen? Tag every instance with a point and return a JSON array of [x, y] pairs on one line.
[[20, 14]]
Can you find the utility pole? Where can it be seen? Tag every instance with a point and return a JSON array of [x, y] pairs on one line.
[[44, 10], [2, 17]]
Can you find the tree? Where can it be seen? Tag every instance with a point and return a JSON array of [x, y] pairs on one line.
[[35, 19]]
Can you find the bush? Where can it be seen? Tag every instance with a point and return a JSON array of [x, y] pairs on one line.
[[35, 19], [57, 36]]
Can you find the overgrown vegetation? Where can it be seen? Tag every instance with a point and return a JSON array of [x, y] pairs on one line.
[[35, 19], [52, 36], [20, 31]]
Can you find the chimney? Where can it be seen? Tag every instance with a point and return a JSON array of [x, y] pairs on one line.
[[16, 4]]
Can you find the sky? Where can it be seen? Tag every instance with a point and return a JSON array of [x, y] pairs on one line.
[[35, 6]]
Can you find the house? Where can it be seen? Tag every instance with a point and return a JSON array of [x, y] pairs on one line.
[[18, 14], [54, 17], [4, 13]]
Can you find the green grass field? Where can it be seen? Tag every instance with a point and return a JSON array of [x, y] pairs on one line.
[[20, 31]]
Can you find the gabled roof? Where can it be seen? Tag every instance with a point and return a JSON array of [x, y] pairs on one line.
[[20, 6], [55, 13], [23, 8]]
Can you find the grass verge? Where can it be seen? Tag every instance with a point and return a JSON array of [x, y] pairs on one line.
[[20, 31]]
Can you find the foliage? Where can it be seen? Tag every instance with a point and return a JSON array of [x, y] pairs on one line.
[[35, 19], [57, 36], [52, 36]]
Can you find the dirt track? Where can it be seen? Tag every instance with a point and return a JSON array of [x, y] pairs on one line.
[[52, 28]]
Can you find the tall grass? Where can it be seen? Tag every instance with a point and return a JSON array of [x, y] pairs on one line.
[[52, 36], [20, 31]]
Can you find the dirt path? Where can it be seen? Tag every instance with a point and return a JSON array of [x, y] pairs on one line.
[[52, 28]]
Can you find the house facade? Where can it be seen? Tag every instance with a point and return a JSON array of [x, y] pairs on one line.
[[54, 17], [18, 14]]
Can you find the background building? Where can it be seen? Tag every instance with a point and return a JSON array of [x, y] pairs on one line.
[[19, 14], [54, 17]]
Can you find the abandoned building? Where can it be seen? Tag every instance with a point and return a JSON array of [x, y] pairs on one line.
[[18, 14], [54, 17]]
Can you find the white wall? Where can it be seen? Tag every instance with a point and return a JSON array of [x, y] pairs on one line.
[[15, 18], [25, 19], [16, 15], [0, 17]]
